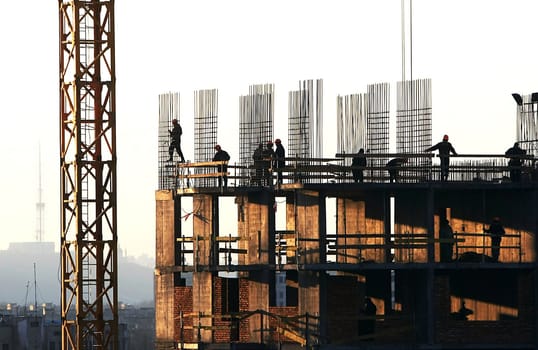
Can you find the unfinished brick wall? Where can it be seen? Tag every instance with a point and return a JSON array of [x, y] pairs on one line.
[[274, 323], [225, 329], [183, 303], [244, 329]]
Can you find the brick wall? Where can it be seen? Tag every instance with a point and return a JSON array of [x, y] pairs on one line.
[[183, 302], [287, 311], [223, 330], [244, 331]]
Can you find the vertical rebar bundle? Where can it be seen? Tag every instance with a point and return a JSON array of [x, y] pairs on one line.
[[169, 108], [377, 124], [256, 114], [205, 130], [527, 125], [351, 111], [414, 123], [305, 120]]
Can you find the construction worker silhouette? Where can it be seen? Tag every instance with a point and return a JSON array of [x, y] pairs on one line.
[[444, 148], [222, 155], [358, 163], [515, 161], [393, 167], [496, 231], [268, 157], [446, 233], [175, 141], [280, 154], [257, 157]]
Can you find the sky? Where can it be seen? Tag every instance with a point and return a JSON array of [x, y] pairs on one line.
[[477, 54]]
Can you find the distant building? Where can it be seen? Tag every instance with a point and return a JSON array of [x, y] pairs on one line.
[[24, 328], [280, 287]]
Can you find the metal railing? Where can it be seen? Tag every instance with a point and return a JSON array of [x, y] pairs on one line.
[[480, 246], [463, 168]]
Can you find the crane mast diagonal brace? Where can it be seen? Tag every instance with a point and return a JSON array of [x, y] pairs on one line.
[[88, 175]]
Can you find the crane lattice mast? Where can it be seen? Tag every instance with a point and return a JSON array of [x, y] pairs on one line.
[[88, 175]]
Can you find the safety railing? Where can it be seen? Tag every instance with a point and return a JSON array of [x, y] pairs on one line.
[[417, 168], [352, 248], [271, 328], [479, 247]]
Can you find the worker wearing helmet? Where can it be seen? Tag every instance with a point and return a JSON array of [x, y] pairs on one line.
[[175, 141], [445, 148], [280, 154], [222, 155]]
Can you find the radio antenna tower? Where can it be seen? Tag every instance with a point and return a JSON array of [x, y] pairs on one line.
[[40, 206]]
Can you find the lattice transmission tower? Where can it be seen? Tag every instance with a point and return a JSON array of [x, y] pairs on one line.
[[88, 175]]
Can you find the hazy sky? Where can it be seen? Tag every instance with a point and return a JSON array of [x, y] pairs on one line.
[[476, 52]]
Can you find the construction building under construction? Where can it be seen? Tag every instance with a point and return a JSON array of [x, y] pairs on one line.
[[304, 281]]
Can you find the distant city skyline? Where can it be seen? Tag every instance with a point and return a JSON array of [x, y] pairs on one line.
[[135, 275], [476, 52]]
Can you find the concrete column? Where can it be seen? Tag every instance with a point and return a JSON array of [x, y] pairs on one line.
[[164, 279], [430, 290], [351, 221], [303, 217], [256, 228], [387, 225], [412, 217], [534, 228], [307, 227], [202, 279], [363, 215]]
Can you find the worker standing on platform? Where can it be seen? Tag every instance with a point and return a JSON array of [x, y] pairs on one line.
[[222, 155], [393, 167], [515, 162], [257, 157], [358, 163], [496, 231], [446, 234], [268, 157], [175, 141], [280, 154], [445, 148]]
